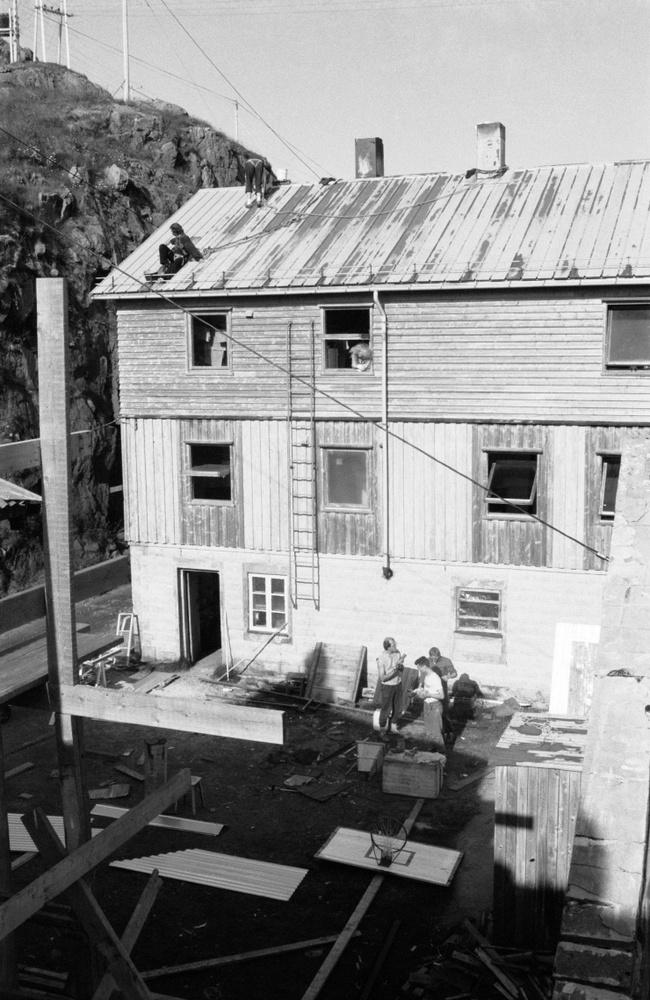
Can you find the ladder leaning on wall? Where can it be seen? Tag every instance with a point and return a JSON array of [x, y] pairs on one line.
[[304, 582]]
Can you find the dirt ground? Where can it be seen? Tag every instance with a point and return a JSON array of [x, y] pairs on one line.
[[244, 789]]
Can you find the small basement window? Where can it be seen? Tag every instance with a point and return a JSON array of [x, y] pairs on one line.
[[211, 472], [478, 611], [346, 478], [267, 602], [346, 339], [628, 336], [610, 469], [208, 346], [512, 483]]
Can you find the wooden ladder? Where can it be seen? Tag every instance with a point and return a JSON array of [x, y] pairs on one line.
[[304, 583], [127, 625]]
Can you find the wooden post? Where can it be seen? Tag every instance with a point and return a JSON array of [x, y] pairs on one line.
[[52, 310], [7, 954], [155, 764]]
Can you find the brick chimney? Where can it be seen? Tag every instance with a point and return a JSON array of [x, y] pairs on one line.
[[491, 147], [368, 158]]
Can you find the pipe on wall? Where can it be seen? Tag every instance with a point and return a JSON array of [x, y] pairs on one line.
[[386, 568]]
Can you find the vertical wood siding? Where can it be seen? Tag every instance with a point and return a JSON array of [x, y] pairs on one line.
[[210, 523], [535, 817], [350, 532], [567, 497], [151, 458], [265, 484]]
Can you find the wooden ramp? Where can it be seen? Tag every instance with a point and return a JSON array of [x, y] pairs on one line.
[[222, 871], [421, 862], [25, 666], [335, 673]]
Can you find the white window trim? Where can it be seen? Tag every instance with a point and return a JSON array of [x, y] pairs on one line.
[[519, 502], [325, 337], [209, 370], [605, 456], [210, 475], [267, 629], [498, 631], [346, 508], [621, 367]]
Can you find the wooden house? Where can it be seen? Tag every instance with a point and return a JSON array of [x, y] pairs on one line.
[[389, 405]]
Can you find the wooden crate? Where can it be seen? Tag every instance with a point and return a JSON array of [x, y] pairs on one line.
[[370, 756], [418, 774]]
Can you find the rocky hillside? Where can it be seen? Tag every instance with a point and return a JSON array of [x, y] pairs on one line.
[[83, 180]]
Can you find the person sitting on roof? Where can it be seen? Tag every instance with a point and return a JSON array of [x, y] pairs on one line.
[[175, 254], [258, 176]]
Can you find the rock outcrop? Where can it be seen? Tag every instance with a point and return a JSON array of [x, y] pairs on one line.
[[83, 180]]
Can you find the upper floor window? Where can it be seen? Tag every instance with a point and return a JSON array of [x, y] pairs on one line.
[[610, 469], [478, 610], [211, 472], [346, 339], [208, 346], [512, 483], [346, 478], [628, 336]]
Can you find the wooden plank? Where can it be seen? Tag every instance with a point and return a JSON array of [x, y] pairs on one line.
[[29, 900], [354, 920], [421, 862], [18, 455], [244, 956], [258, 725], [132, 931], [180, 823], [12, 772], [223, 871], [92, 918], [7, 946]]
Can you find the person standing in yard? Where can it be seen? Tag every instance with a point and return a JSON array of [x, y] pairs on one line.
[[432, 694], [465, 693], [389, 678], [446, 671]]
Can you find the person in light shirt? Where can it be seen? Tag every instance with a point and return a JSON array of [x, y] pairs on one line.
[[432, 694], [389, 676]]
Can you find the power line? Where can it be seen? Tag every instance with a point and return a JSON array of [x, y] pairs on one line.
[[311, 385]]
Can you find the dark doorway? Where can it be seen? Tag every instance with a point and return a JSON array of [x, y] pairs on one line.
[[201, 615]]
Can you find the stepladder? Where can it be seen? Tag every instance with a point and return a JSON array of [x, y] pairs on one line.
[[128, 628]]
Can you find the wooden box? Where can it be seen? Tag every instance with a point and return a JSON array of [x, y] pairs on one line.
[[417, 773], [369, 756]]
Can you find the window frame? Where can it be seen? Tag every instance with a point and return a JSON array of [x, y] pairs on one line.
[[268, 578], [613, 367], [203, 314], [328, 506], [192, 475], [498, 631], [511, 454], [605, 459], [325, 309]]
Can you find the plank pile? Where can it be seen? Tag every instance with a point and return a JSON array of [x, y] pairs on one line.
[[466, 966]]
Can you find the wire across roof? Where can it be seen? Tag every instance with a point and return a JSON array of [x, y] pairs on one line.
[[565, 224]]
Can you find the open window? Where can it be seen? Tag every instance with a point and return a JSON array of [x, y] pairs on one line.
[[209, 347], [610, 469], [346, 478], [267, 602], [211, 472], [628, 336], [478, 611], [512, 483], [346, 339]]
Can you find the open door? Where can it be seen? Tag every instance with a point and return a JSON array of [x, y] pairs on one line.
[[201, 616]]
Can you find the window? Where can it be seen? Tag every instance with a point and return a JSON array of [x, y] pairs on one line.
[[267, 602], [478, 611], [512, 480], [628, 336], [210, 472], [346, 478], [208, 348], [346, 339], [610, 469]]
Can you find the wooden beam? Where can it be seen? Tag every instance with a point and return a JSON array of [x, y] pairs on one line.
[[29, 900], [91, 916], [18, 455], [132, 931], [7, 950], [355, 919], [187, 715]]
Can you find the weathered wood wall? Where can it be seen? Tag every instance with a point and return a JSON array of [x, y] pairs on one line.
[[532, 355], [435, 513], [535, 818]]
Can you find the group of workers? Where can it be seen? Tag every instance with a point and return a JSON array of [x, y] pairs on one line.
[[426, 683]]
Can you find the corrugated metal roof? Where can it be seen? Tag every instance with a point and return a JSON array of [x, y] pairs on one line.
[[11, 494], [552, 224]]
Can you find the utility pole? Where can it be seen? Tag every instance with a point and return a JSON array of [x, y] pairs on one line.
[[62, 14], [39, 22], [237, 121], [9, 29], [125, 48]]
